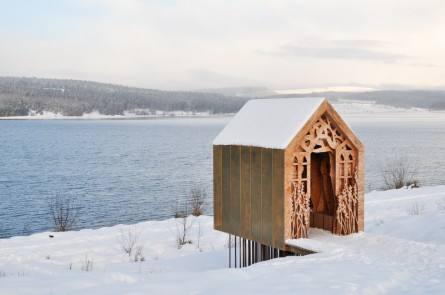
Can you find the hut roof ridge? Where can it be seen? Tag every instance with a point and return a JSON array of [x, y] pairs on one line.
[[269, 123]]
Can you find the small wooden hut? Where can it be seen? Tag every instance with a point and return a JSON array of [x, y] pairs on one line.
[[282, 166]]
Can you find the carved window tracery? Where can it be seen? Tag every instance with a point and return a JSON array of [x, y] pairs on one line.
[[322, 137], [300, 197], [346, 219]]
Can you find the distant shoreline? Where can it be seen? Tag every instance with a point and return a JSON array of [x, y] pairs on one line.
[[352, 112], [113, 117]]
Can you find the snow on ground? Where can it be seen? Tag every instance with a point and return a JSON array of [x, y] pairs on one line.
[[399, 253], [366, 111], [351, 106]]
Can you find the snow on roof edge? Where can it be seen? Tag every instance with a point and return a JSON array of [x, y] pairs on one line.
[[269, 123]]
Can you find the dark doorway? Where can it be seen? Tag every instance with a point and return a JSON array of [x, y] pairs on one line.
[[322, 193]]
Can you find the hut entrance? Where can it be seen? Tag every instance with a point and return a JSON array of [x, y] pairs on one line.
[[322, 201]]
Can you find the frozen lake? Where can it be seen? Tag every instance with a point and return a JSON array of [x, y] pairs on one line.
[[125, 171]]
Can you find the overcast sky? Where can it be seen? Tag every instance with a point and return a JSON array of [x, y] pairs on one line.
[[194, 44]]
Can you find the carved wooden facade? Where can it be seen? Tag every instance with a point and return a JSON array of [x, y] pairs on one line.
[[335, 195], [269, 195]]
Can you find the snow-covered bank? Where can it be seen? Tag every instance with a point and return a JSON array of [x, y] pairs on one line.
[[399, 253], [351, 106], [370, 111]]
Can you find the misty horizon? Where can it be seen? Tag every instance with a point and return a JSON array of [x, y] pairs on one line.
[[180, 45]]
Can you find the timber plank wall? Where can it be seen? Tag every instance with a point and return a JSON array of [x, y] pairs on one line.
[[249, 193]]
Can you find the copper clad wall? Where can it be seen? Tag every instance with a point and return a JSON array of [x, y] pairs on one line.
[[249, 193]]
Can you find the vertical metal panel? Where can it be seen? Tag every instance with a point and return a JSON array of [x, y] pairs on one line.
[[245, 193], [217, 187], [225, 200], [255, 178], [266, 197], [235, 250], [235, 173], [278, 199]]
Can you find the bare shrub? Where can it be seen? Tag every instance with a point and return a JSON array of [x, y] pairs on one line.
[[399, 172], [230, 242], [441, 204], [192, 205], [200, 233], [138, 255], [87, 264], [183, 224], [196, 197], [19, 274], [26, 230], [129, 242], [416, 208], [63, 213]]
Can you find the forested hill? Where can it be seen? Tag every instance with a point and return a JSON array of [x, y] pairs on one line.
[[18, 96]]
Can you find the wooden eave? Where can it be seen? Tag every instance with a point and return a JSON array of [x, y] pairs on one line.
[[326, 107]]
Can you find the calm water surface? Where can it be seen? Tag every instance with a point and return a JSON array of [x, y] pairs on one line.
[[125, 171]]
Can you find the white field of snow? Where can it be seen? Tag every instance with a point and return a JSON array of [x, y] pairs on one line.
[[370, 111], [398, 253]]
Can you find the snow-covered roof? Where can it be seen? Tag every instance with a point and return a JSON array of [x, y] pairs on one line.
[[269, 123]]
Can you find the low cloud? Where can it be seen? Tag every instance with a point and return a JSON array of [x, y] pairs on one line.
[[366, 50], [210, 79]]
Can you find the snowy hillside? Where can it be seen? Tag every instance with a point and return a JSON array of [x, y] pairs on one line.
[[401, 252], [351, 106]]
